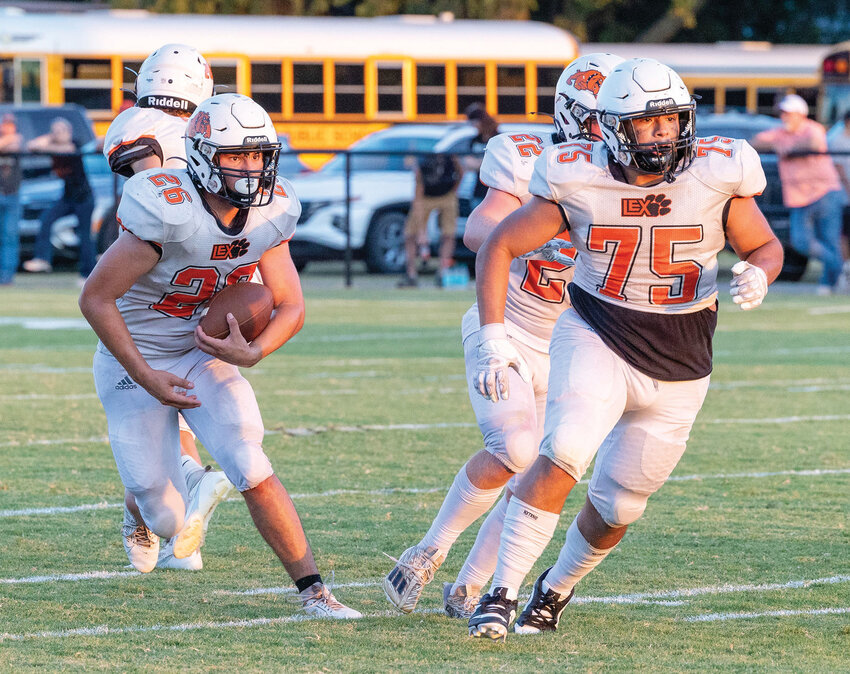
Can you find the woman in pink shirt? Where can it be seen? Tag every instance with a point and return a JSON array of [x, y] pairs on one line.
[[810, 186]]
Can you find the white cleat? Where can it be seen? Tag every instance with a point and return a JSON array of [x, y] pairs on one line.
[[212, 489], [413, 571], [318, 601], [188, 539], [167, 560], [140, 543], [462, 602]]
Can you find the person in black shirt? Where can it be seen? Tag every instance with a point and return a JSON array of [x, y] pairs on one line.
[[10, 205], [487, 127], [76, 200]]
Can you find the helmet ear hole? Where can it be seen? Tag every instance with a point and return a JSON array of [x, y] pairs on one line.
[[576, 92]]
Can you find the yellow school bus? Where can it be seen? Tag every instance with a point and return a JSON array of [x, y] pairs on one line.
[[325, 81]]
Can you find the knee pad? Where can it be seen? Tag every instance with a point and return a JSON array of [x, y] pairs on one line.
[[520, 448], [247, 467], [163, 510], [618, 506], [569, 449]]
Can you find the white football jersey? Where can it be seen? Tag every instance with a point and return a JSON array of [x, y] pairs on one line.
[[537, 290], [651, 249], [198, 258], [137, 132]]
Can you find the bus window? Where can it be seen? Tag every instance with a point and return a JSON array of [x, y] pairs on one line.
[[511, 89], [224, 77], [705, 100], [308, 88], [430, 89], [88, 82], [736, 99], [547, 79], [349, 88], [390, 88], [767, 99], [267, 86], [7, 81], [30, 81], [810, 95], [471, 86]]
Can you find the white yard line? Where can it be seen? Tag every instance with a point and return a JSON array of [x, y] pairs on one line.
[[790, 384], [638, 598], [70, 577], [716, 617], [823, 311], [781, 420], [363, 428], [817, 472], [796, 351]]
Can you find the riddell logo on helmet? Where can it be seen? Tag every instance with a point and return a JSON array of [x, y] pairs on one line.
[[199, 124], [252, 140], [660, 103], [167, 102], [587, 80]]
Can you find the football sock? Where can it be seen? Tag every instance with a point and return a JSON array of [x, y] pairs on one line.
[[481, 560], [305, 582], [576, 559], [464, 504], [525, 535], [192, 471]]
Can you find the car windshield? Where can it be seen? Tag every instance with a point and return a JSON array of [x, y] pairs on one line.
[[377, 162]]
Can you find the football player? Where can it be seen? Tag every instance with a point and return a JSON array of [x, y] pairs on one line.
[[171, 82], [188, 233], [648, 210], [536, 296]]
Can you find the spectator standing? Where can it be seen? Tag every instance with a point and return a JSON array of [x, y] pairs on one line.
[[839, 141], [810, 186], [76, 199], [10, 205], [487, 128], [437, 178]]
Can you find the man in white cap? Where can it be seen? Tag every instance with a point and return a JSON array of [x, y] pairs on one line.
[[810, 186]]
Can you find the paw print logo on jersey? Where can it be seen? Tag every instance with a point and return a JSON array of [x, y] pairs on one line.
[[651, 206], [587, 80], [199, 124], [230, 251]]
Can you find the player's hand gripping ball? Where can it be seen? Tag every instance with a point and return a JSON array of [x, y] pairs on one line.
[[251, 305]]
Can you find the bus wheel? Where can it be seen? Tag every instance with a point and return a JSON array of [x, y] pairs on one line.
[[384, 250]]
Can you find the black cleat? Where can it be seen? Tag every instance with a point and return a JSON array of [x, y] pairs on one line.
[[543, 610], [493, 615]]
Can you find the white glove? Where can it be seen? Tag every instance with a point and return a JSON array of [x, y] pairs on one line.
[[495, 355], [551, 252], [749, 285]]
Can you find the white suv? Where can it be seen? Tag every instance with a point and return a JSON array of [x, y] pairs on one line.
[[381, 190]]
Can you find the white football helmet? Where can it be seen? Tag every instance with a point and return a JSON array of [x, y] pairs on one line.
[[174, 77], [640, 88], [575, 94], [226, 124]]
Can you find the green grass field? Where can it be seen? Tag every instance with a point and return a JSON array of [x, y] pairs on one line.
[[742, 561]]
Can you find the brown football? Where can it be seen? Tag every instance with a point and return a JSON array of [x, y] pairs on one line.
[[251, 305]]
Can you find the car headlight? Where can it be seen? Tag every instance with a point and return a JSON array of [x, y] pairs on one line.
[[310, 208]]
